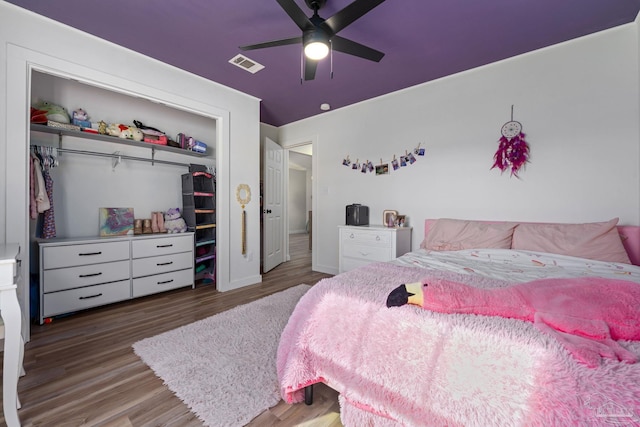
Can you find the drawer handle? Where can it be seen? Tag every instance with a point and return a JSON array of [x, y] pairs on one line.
[[378, 238], [164, 263], [164, 246], [364, 253], [352, 236], [91, 253], [165, 282], [90, 275], [92, 296]]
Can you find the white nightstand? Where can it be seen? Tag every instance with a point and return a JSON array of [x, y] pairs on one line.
[[362, 245]]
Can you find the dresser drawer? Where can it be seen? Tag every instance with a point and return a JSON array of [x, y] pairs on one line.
[[162, 264], [87, 297], [74, 277], [366, 237], [90, 253], [348, 264], [161, 246], [162, 282], [370, 253]]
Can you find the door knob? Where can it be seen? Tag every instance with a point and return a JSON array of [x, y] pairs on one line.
[[267, 211]]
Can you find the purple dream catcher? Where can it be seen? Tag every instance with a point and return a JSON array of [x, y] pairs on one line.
[[513, 151]]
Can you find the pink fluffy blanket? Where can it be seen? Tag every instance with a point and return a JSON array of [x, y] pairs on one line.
[[586, 315], [414, 367]]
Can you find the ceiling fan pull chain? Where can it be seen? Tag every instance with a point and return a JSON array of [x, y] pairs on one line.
[[331, 59], [301, 66]]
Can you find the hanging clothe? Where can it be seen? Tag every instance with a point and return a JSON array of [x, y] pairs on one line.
[[40, 191], [49, 223], [33, 209]]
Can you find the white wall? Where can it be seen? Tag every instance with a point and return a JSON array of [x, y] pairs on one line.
[[88, 58], [297, 201], [578, 103]]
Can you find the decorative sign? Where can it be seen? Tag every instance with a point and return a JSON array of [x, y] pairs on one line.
[[243, 196]]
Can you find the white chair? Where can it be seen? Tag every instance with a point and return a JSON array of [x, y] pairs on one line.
[[20, 357]]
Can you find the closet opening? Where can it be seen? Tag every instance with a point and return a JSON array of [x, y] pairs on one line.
[[86, 173]]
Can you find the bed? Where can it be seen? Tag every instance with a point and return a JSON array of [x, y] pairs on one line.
[[407, 366]]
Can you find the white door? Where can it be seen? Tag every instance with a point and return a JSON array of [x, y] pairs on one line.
[[272, 209]]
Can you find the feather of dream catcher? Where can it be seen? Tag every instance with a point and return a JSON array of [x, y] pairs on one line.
[[513, 150]]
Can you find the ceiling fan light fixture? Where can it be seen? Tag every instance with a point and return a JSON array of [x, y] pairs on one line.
[[316, 50]]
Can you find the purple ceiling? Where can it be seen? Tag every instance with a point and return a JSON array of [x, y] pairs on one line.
[[423, 40]]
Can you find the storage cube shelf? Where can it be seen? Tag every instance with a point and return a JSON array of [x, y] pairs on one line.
[[198, 205]]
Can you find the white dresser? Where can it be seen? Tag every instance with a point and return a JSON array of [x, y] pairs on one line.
[[361, 245], [76, 274], [161, 264]]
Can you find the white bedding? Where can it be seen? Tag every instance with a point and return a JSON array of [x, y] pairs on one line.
[[516, 266]]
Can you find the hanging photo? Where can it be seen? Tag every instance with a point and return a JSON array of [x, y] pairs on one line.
[[382, 169]]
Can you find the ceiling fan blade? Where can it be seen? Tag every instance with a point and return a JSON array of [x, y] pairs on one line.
[[282, 42], [356, 49], [296, 14], [350, 13], [310, 69]]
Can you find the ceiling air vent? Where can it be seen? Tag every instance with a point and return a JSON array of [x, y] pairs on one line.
[[246, 63]]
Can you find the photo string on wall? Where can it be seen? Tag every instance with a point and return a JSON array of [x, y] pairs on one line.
[[385, 166]]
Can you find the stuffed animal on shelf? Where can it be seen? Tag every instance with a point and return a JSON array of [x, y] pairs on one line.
[[80, 114], [173, 221], [115, 129], [131, 133], [52, 112]]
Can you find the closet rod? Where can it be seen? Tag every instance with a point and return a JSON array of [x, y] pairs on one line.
[[119, 156]]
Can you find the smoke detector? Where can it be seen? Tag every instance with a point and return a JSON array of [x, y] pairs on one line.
[[246, 63]]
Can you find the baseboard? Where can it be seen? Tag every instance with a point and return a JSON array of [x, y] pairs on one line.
[[325, 269], [246, 281]]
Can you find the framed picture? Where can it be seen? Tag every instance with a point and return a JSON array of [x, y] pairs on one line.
[[389, 218], [115, 221], [401, 220]]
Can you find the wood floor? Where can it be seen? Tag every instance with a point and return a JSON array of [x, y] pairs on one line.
[[81, 369]]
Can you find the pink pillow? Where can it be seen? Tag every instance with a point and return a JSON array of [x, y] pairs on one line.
[[597, 240], [454, 235]]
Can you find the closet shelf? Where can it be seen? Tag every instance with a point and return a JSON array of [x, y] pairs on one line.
[[204, 258], [206, 242], [203, 226], [107, 138]]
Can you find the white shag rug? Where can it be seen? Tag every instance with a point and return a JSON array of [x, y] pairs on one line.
[[224, 367]]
